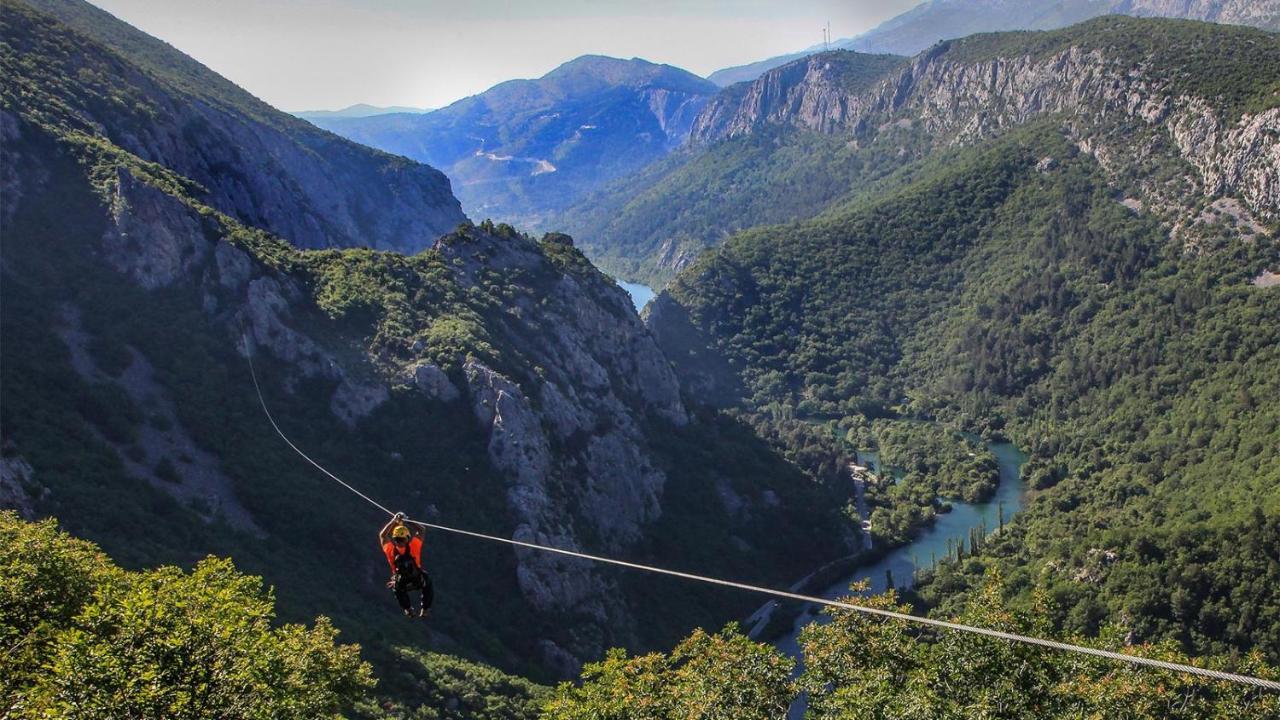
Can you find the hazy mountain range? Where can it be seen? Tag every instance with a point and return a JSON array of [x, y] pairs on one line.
[[358, 110], [526, 147], [935, 20]]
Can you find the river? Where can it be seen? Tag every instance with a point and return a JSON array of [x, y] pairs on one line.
[[640, 294], [931, 545]]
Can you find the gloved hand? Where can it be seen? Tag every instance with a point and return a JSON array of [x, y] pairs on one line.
[[391, 584], [400, 516]]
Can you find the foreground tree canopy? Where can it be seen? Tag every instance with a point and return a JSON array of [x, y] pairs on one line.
[[857, 666], [82, 638]]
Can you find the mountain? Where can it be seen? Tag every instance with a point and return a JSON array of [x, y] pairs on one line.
[[746, 73], [150, 100], [929, 22], [358, 110], [525, 147], [935, 20], [752, 159], [1074, 255], [793, 143], [491, 381]]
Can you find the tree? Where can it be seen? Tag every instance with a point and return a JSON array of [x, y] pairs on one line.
[[724, 676], [157, 644]]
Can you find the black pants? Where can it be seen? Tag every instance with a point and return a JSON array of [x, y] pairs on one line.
[[418, 581]]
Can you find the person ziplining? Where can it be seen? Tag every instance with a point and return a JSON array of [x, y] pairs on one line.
[[401, 542]]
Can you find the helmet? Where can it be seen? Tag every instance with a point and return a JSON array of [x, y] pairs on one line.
[[400, 531]]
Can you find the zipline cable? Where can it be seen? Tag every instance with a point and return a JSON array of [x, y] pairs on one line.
[[258, 389], [931, 622]]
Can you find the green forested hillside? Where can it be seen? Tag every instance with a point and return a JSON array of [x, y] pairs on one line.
[[128, 411], [1015, 297], [647, 225]]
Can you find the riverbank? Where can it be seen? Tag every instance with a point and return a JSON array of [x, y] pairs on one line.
[[900, 563]]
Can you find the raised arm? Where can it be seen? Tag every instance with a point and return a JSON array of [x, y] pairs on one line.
[[384, 535]]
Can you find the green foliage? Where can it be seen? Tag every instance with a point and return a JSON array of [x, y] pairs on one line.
[[713, 677], [956, 466], [84, 639], [442, 687], [1236, 69], [859, 665]]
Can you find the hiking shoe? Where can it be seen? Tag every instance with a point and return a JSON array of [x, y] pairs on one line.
[[424, 612], [408, 613]]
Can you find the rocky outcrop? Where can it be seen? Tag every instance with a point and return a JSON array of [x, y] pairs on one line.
[[263, 167], [432, 381], [1241, 159], [153, 238], [675, 112], [960, 93], [16, 483], [570, 438], [820, 92]]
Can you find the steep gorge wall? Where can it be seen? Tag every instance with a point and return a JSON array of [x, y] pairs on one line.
[[954, 95]]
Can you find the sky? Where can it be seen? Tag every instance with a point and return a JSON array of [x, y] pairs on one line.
[[328, 54]]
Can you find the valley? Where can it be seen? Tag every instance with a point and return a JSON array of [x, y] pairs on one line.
[[975, 326]]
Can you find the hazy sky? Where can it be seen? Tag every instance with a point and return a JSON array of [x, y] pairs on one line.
[[323, 54]]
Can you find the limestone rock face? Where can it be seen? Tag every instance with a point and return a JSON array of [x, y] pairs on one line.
[[154, 239], [809, 93], [959, 102], [570, 437], [16, 477], [433, 381], [1259, 13], [1106, 102]]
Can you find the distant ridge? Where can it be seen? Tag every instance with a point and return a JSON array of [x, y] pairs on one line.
[[359, 110], [935, 20], [523, 148]]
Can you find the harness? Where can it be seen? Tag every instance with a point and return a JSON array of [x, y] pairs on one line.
[[405, 566]]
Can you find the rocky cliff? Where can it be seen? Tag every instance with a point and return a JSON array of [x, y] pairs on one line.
[[263, 167], [819, 92], [1120, 86]]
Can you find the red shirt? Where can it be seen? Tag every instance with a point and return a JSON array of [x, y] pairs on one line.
[[414, 548]]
